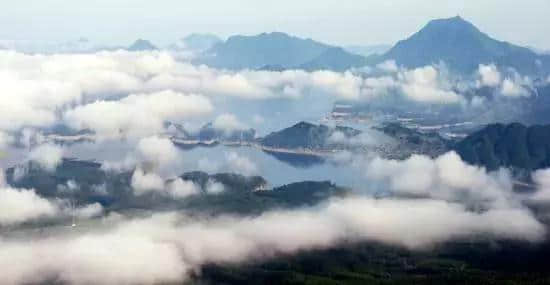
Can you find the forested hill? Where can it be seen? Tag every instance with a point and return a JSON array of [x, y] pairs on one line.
[[513, 145]]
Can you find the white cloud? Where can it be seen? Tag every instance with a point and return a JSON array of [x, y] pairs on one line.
[[87, 89], [152, 154], [489, 75], [228, 123], [388, 66], [48, 156], [5, 140], [37, 87], [513, 89], [378, 86], [208, 165], [237, 84], [89, 211], [109, 73], [32, 102], [180, 189], [30, 137], [233, 162], [70, 187], [137, 115], [446, 178], [2, 178], [511, 86], [24, 205], [100, 189], [424, 85], [143, 182], [258, 119], [21, 205], [121, 254], [428, 84], [240, 164], [128, 163], [213, 187], [113, 258], [367, 138], [542, 180], [159, 151], [344, 85]]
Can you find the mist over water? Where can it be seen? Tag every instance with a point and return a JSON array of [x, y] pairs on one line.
[[208, 160]]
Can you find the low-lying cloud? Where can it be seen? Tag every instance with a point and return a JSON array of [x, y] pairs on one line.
[[445, 178], [21, 205], [25, 205], [48, 156], [122, 253], [427, 202], [137, 115], [112, 93], [228, 123]]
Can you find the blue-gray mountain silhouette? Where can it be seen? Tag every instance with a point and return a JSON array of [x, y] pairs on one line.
[[462, 47], [142, 45], [278, 50]]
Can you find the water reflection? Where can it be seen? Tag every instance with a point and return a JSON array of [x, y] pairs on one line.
[[297, 160], [281, 168], [277, 168]]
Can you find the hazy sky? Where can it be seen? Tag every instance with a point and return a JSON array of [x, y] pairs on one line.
[[334, 21]]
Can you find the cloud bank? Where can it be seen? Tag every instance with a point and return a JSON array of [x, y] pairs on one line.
[[122, 254], [136, 115], [132, 93]]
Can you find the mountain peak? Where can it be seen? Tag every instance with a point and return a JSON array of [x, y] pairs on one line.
[[461, 46], [457, 18], [276, 34], [142, 45], [198, 42], [266, 49], [271, 36], [451, 25]]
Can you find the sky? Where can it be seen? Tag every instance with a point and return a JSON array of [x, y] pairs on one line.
[[341, 22]]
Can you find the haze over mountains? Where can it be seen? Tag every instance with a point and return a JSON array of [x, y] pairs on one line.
[[462, 46], [142, 45], [196, 42], [512, 145], [253, 52], [368, 49], [276, 159], [454, 41], [457, 43]]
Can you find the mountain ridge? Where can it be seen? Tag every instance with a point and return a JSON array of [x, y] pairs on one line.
[[513, 145], [276, 49], [142, 45], [463, 47]]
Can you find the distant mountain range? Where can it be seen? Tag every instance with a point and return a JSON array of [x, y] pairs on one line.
[[196, 42], [142, 45], [454, 41], [277, 50], [336, 59], [512, 146], [463, 47], [81, 45], [368, 50]]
